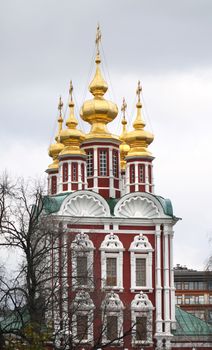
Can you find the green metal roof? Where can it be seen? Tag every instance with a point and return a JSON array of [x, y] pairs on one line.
[[190, 325], [52, 204], [166, 204]]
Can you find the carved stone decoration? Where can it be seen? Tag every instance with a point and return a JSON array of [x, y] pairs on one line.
[[82, 305], [85, 203], [112, 303], [141, 306], [111, 243], [140, 244], [137, 206], [82, 242], [112, 306]]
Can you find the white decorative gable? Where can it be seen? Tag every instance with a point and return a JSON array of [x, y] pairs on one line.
[[85, 203], [141, 302], [140, 244], [111, 243], [112, 302], [135, 205]]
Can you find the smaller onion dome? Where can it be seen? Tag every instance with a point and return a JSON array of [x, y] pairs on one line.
[[98, 112], [139, 139], [71, 137], [57, 147], [124, 147]]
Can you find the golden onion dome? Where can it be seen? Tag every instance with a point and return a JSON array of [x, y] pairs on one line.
[[98, 112], [57, 147], [124, 147], [71, 137], [139, 139]]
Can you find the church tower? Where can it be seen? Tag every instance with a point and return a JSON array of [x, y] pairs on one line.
[[118, 234]]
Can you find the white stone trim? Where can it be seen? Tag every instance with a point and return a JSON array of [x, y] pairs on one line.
[[141, 248], [141, 306], [82, 246], [82, 305], [158, 287], [112, 247], [139, 205], [84, 203], [112, 306]]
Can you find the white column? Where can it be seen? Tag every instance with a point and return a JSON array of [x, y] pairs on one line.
[[146, 178], [60, 185], [69, 175], [166, 280], [127, 178], [79, 175], [136, 176], [95, 170], [111, 188], [158, 281], [153, 186], [172, 281]]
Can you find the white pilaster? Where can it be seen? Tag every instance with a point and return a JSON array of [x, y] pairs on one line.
[[95, 170], [158, 281], [166, 271]]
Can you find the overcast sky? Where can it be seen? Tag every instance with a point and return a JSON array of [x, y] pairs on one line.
[[165, 44]]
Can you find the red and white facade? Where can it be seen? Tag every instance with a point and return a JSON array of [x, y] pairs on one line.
[[115, 252]]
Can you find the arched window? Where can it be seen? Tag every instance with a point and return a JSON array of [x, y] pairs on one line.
[[141, 263], [141, 317], [112, 319], [112, 262], [82, 317], [82, 261]]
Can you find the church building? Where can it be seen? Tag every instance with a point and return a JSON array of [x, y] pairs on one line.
[[114, 257]]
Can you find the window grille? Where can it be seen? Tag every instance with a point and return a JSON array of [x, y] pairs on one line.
[[111, 272], [141, 173], [82, 271], [74, 171], [115, 163], [82, 327], [140, 272], [65, 172], [103, 163], [90, 163], [141, 328], [112, 327]]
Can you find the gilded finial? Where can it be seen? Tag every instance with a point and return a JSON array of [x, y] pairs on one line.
[[98, 38], [60, 106], [71, 91], [138, 91], [123, 108], [60, 119]]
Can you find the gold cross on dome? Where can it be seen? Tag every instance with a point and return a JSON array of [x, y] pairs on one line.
[[124, 107], [98, 38], [60, 105], [138, 91], [71, 90]]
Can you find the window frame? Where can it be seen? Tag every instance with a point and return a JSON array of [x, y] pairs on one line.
[[111, 247], [82, 246], [141, 248], [106, 172], [90, 162]]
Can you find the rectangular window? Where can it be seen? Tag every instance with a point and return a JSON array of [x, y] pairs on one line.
[[141, 173], [54, 185], [141, 328], [132, 173], [178, 299], [115, 163], [111, 271], [83, 172], [74, 169], [82, 327], [89, 163], [65, 172], [112, 327], [140, 272], [82, 271], [103, 163]]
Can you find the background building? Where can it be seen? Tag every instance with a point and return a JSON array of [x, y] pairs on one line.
[[194, 291]]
